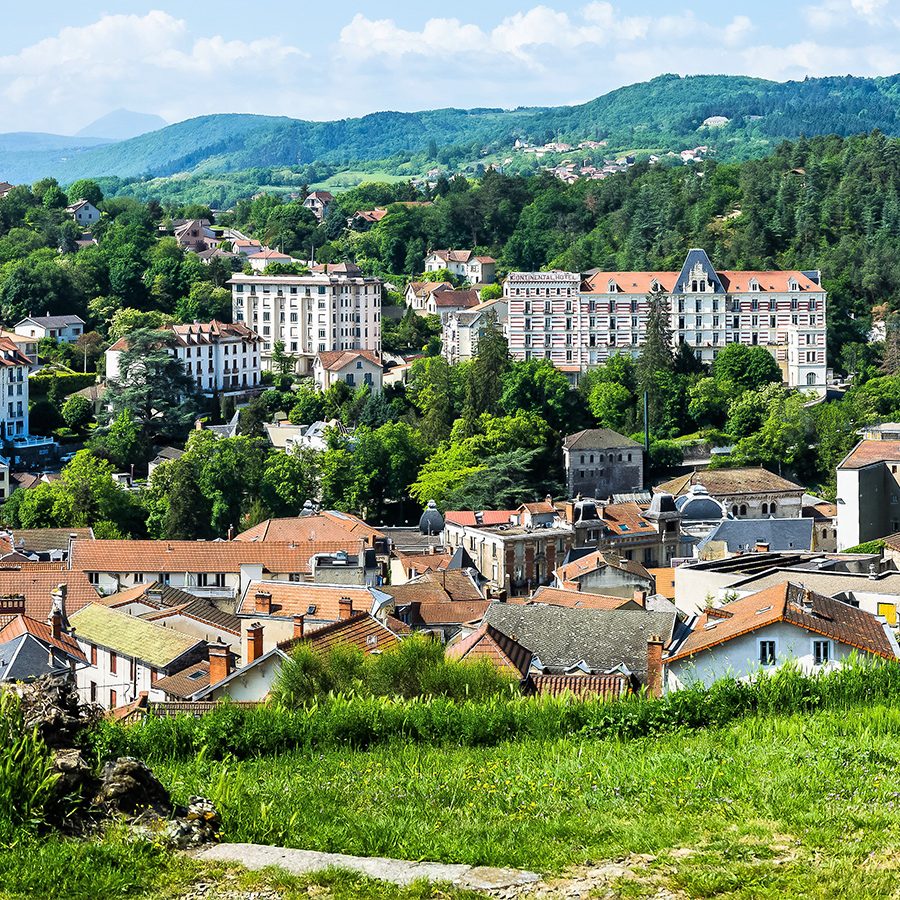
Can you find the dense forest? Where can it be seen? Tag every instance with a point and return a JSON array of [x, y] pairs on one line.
[[665, 113], [481, 434]]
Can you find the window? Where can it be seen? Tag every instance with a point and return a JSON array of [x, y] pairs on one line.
[[821, 652], [93, 655], [112, 662], [767, 653], [113, 700], [93, 692]]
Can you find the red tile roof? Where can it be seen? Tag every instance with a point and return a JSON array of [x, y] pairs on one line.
[[362, 631], [448, 612], [488, 517], [282, 558], [36, 581], [867, 452], [734, 282], [592, 562], [795, 605], [291, 599], [335, 360], [26, 625], [579, 599], [183, 684], [326, 526], [626, 518], [489, 643], [608, 686]]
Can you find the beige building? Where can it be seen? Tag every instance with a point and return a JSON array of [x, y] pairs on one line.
[[356, 368], [579, 322], [335, 310]]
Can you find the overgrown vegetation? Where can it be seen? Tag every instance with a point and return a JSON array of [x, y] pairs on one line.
[[26, 774], [367, 721]]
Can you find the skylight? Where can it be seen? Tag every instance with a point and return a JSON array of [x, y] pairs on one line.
[[763, 609]]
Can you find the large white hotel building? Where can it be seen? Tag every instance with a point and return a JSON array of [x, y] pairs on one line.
[[578, 321], [335, 310]]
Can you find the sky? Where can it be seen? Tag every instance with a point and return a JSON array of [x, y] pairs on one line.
[[64, 64]]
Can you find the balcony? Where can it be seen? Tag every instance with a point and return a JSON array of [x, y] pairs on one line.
[[20, 441]]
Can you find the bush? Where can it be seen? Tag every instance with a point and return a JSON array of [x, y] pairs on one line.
[[359, 721], [27, 778], [68, 383]]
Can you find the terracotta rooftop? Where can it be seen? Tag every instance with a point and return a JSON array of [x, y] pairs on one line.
[[665, 582], [183, 684], [608, 686], [362, 631], [599, 559], [489, 643], [36, 581], [41, 630], [327, 525], [867, 452], [335, 360], [626, 518], [747, 480], [795, 605], [318, 601], [488, 517], [447, 612], [580, 599], [282, 558]]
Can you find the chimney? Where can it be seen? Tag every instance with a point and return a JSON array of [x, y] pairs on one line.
[[55, 624], [219, 662], [263, 603], [254, 643], [654, 666], [640, 597], [873, 570], [346, 608], [298, 628]]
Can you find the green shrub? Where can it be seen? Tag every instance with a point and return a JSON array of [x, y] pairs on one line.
[[26, 773], [486, 719], [67, 383]]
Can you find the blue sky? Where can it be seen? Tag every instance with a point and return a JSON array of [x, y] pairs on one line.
[[63, 64]]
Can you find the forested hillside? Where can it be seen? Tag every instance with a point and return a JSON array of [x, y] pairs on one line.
[[665, 113]]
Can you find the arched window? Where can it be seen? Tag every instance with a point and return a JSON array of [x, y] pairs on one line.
[[773, 509], [734, 510], [810, 378], [743, 509], [765, 509]]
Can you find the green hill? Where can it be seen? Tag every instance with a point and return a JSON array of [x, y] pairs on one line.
[[666, 112]]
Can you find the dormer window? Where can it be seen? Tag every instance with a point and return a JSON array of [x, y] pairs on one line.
[[655, 286], [612, 287], [754, 284]]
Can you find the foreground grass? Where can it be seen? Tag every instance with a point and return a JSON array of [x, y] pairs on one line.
[[801, 806], [113, 868]]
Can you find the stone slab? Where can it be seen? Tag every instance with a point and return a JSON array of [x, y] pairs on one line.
[[397, 871]]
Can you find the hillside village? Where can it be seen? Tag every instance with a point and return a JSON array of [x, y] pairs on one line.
[[635, 575], [453, 468]]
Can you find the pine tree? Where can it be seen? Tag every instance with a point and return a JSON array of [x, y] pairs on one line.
[[486, 372]]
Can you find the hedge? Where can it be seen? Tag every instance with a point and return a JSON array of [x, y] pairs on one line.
[[69, 383]]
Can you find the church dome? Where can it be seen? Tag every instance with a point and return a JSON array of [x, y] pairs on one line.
[[698, 506], [432, 522]]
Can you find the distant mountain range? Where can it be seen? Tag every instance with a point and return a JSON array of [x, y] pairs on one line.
[[122, 124], [665, 113]]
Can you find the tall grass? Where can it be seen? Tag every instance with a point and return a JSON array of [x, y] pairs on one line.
[[417, 667], [27, 777], [364, 721]]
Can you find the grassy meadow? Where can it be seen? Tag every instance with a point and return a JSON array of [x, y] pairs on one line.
[[799, 806]]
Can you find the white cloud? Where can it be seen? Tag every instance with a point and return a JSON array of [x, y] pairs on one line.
[[833, 14], [540, 55], [150, 62]]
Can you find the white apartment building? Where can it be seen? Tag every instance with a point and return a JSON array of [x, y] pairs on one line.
[[578, 323], [335, 310], [460, 330], [221, 357], [13, 391], [463, 263]]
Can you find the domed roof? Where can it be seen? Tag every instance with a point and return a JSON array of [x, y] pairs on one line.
[[432, 522], [698, 506]]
